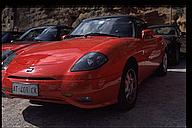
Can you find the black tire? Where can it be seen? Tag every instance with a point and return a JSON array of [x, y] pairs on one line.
[[176, 56], [162, 70], [128, 92]]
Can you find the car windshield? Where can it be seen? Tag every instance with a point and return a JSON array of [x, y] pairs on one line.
[[49, 34], [31, 34], [120, 27], [164, 30], [3, 33]]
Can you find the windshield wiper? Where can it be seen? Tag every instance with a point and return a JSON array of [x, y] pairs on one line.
[[72, 36], [90, 34], [36, 39], [16, 40], [100, 34]]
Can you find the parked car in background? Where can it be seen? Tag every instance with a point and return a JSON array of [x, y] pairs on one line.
[[174, 38], [8, 36], [35, 35], [46, 33], [101, 62]]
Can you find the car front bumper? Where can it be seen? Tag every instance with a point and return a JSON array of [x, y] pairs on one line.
[[90, 93]]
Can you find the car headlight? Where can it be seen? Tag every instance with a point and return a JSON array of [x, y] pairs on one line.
[[6, 53], [8, 60], [90, 61]]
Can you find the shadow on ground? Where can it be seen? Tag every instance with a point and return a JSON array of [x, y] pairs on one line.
[[66, 115]]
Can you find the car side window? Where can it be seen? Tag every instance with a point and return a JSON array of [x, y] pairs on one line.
[[165, 31], [31, 34], [140, 25]]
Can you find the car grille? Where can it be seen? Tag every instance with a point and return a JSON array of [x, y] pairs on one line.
[[32, 78]]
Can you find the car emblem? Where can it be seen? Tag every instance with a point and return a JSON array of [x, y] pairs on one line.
[[30, 69]]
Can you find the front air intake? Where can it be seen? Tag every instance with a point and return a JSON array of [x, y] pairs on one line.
[[31, 78]]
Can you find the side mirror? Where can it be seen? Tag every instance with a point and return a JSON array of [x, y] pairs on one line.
[[147, 34], [64, 37]]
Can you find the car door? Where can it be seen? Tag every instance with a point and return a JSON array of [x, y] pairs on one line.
[[149, 52], [152, 54], [141, 55]]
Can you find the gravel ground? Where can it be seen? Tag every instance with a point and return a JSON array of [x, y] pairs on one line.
[[161, 102]]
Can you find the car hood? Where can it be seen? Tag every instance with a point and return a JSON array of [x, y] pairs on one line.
[[16, 45], [59, 52], [52, 57]]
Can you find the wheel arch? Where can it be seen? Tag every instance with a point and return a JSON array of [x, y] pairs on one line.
[[132, 60]]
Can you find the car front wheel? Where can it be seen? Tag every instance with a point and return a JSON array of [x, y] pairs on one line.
[[128, 89]]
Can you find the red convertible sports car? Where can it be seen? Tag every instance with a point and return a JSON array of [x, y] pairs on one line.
[[100, 63]]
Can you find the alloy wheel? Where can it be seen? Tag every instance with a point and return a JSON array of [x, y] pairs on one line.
[[130, 86]]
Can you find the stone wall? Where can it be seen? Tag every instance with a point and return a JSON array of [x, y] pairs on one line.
[[24, 18]]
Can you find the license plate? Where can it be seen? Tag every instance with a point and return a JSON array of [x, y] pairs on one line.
[[25, 89]]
